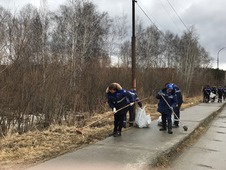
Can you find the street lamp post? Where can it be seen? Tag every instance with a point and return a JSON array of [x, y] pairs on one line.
[[218, 56]]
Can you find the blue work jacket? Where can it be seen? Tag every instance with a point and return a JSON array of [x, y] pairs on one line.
[[119, 99], [171, 99]]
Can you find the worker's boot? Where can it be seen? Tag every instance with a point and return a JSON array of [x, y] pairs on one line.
[[117, 134], [170, 131], [163, 126], [176, 124], [113, 133], [163, 129]]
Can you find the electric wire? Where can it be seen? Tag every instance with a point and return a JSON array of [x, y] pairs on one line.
[[155, 20], [167, 12], [163, 35], [152, 22], [147, 16], [166, 40], [177, 15]]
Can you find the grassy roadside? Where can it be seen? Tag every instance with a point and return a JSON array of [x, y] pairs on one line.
[[19, 151]]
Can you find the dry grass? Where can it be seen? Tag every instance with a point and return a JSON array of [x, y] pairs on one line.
[[19, 151]]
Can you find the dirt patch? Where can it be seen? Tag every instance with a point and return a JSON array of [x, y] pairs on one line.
[[20, 151]]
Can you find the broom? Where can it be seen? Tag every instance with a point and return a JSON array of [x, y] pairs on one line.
[[184, 127], [79, 131]]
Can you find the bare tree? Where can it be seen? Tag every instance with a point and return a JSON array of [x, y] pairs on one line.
[[55, 64], [149, 47], [189, 60]]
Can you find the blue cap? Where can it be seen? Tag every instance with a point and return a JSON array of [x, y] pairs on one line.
[[169, 86]]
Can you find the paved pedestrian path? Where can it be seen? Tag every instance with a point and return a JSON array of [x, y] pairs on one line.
[[136, 148], [209, 152]]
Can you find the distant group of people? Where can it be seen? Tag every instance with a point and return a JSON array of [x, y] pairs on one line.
[[122, 101], [210, 94]]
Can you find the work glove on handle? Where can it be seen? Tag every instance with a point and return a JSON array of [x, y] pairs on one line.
[[131, 104], [114, 110], [171, 108], [161, 93]]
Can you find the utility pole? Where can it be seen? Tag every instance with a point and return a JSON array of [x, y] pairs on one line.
[[133, 47]]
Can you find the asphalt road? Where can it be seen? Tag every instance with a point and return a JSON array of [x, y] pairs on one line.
[[209, 152]]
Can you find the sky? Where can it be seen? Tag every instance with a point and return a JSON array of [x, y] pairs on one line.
[[207, 17]]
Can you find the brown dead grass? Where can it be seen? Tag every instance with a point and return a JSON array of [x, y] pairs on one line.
[[20, 151]]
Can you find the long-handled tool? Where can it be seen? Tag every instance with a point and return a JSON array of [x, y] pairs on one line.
[[184, 127], [79, 131]]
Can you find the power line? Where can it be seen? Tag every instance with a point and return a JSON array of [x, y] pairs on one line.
[[177, 15], [148, 17], [163, 36], [167, 12], [145, 13], [155, 21]]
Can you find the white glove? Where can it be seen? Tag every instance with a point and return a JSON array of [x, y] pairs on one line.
[[114, 110], [161, 93], [171, 108], [131, 104]]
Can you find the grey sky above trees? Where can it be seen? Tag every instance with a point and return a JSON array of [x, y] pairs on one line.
[[207, 17]]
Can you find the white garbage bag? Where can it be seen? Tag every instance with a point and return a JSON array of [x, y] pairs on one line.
[[212, 95], [142, 119]]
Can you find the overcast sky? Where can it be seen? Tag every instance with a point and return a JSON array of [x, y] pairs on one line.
[[207, 16]]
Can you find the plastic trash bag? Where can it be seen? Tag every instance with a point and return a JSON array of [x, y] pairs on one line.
[[142, 119], [160, 120], [212, 95]]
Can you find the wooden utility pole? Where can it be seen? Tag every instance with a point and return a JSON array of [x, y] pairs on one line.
[[133, 47]]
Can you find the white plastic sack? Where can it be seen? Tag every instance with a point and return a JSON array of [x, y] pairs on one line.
[[142, 119], [160, 120], [212, 95]]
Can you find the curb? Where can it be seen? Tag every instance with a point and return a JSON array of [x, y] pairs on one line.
[[165, 157]]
